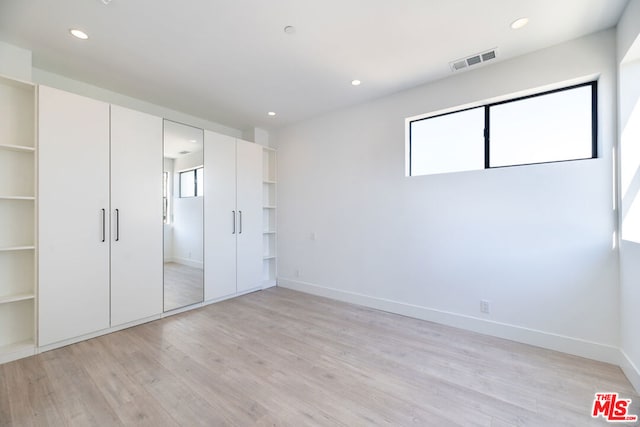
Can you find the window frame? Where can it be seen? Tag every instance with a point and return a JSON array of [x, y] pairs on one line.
[[487, 126], [196, 184]]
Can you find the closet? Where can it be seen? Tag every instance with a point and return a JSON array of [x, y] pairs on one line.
[[233, 216], [100, 216]]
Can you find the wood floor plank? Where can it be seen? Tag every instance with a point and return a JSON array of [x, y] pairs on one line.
[[30, 395], [164, 385], [131, 402], [5, 408], [315, 374], [283, 358], [76, 397]]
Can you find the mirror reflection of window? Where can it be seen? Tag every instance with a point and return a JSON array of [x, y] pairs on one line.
[[199, 182], [187, 184], [192, 183], [183, 212]]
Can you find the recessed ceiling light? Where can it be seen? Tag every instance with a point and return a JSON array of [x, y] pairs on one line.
[[271, 113], [289, 29], [79, 34], [356, 82], [192, 140], [519, 23]]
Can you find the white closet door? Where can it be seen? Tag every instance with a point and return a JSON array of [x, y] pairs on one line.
[[220, 215], [249, 203], [73, 217], [136, 215]]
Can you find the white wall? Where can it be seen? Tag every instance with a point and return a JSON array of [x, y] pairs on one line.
[[15, 62], [536, 241], [188, 217], [628, 30], [629, 134]]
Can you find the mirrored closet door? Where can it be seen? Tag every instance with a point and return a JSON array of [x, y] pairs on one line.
[[183, 212]]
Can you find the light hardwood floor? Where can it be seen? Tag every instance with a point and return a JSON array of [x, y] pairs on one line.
[[183, 285], [283, 358]]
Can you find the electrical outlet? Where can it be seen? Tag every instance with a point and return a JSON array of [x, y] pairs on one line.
[[484, 306], [313, 236], [296, 272]]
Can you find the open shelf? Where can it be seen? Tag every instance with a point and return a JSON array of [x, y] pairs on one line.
[[17, 148], [18, 238], [17, 227], [17, 173], [269, 223], [16, 323], [269, 271], [17, 198], [269, 165], [17, 248], [15, 298], [17, 350], [17, 346]]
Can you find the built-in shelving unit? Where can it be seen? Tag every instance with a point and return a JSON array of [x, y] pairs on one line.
[[18, 207], [269, 235]]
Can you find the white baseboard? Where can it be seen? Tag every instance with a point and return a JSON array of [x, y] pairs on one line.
[[565, 344], [207, 302], [266, 284], [74, 340], [630, 370], [187, 262], [11, 355]]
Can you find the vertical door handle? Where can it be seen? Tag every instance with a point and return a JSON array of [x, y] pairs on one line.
[[104, 227], [117, 225], [240, 213], [234, 222]]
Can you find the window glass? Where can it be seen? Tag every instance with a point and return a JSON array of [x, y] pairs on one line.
[[549, 127], [199, 182], [544, 128], [449, 143], [187, 184]]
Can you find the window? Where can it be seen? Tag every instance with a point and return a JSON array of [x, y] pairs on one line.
[[554, 126], [448, 143], [192, 183]]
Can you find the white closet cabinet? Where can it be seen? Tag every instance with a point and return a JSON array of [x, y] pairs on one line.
[[249, 204], [233, 215], [73, 215], [100, 217], [136, 209]]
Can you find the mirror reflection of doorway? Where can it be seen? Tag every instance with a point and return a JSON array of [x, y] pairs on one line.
[[183, 207]]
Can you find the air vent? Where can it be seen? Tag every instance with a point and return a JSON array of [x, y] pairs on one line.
[[489, 55], [473, 60], [459, 65]]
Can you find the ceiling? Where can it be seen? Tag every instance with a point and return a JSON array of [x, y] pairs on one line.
[[230, 61], [180, 140]]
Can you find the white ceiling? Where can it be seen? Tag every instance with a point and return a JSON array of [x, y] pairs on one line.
[[179, 138], [230, 61]]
